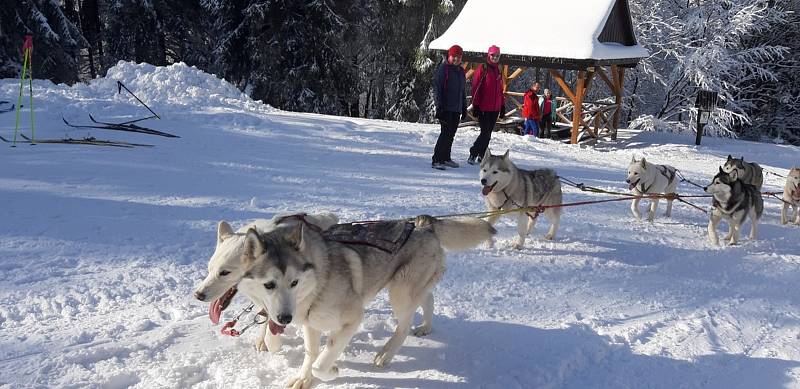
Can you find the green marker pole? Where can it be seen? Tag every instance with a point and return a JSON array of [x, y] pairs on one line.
[[19, 99], [30, 90]]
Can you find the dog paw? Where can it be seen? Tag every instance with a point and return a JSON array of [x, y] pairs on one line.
[[549, 236], [299, 383], [518, 246], [328, 375], [490, 243], [422, 331], [382, 359]]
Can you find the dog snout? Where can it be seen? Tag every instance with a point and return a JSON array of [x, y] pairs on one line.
[[628, 180], [705, 189], [284, 319], [483, 181], [199, 295]]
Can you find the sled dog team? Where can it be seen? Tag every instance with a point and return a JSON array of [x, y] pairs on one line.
[[300, 271]]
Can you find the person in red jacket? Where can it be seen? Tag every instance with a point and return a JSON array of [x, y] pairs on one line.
[[487, 101], [530, 111]]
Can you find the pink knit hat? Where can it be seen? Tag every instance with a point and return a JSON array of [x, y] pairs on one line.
[[494, 50]]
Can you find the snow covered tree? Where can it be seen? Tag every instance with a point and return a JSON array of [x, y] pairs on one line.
[[286, 53], [703, 44], [132, 32], [56, 39]]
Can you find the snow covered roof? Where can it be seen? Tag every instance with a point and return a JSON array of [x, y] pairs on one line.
[[545, 32]]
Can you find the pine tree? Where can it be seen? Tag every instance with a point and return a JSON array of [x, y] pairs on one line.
[[132, 33], [57, 40]]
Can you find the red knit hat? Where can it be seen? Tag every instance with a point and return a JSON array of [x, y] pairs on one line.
[[493, 50], [455, 51]]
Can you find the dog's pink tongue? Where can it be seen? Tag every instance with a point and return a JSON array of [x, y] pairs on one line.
[[486, 190], [631, 186], [275, 328], [215, 310]]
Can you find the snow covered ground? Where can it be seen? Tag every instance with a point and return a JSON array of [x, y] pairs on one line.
[[100, 249]]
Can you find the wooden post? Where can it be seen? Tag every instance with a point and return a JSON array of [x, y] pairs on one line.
[[618, 73], [577, 105]]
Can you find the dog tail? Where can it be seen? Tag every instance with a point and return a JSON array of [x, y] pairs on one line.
[[456, 234]]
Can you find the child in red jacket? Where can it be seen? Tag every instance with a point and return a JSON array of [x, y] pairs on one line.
[[530, 111]]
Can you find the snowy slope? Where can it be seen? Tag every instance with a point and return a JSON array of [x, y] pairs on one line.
[[100, 249]]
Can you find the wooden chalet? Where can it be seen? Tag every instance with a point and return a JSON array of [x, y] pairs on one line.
[[594, 39]]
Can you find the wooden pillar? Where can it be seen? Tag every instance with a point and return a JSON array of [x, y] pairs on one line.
[[618, 74], [577, 105]]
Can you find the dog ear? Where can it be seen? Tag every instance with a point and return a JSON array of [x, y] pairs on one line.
[[644, 162], [720, 170], [729, 157], [505, 156], [487, 154], [298, 236], [633, 158], [224, 230], [253, 247]]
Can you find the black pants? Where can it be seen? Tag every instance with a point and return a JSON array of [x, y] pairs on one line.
[[486, 120], [449, 122], [545, 126]]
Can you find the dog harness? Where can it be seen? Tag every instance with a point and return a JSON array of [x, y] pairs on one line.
[[665, 171], [388, 236]]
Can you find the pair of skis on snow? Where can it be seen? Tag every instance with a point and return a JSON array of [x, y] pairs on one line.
[[129, 126], [89, 140]]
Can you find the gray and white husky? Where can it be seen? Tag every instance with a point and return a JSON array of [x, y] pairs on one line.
[[747, 172], [734, 201], [505, 186], [649, 178], [791, 197], [324, 285], [227, 267]]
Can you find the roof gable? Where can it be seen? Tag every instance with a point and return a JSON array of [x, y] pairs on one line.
[[577, 26]]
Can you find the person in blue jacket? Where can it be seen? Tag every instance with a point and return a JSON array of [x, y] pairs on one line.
[[449, 82]]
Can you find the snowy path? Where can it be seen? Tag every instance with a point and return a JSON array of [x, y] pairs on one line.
[[100, 249]]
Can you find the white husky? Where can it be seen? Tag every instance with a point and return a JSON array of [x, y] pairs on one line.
[[791, 197], [303, 276], [507, 187], [648, 178], [226, 268]]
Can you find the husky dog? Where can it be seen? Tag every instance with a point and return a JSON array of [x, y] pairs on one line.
[[324, 285], [505, 186], [733, 200], [648, 178], [747, 172], [791, 197], [226, 267]]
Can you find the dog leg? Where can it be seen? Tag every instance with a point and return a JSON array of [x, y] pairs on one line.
[[669, 209], [311, 338], [785, 208], [713, 219], [427, 317], [635, 208], [734, 234], [262, 333], [324, 368], [753, 225], [653, 206], [797, 214], [524, 225], [492, 220], [554, 216], [274, 342], [404, 317]]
